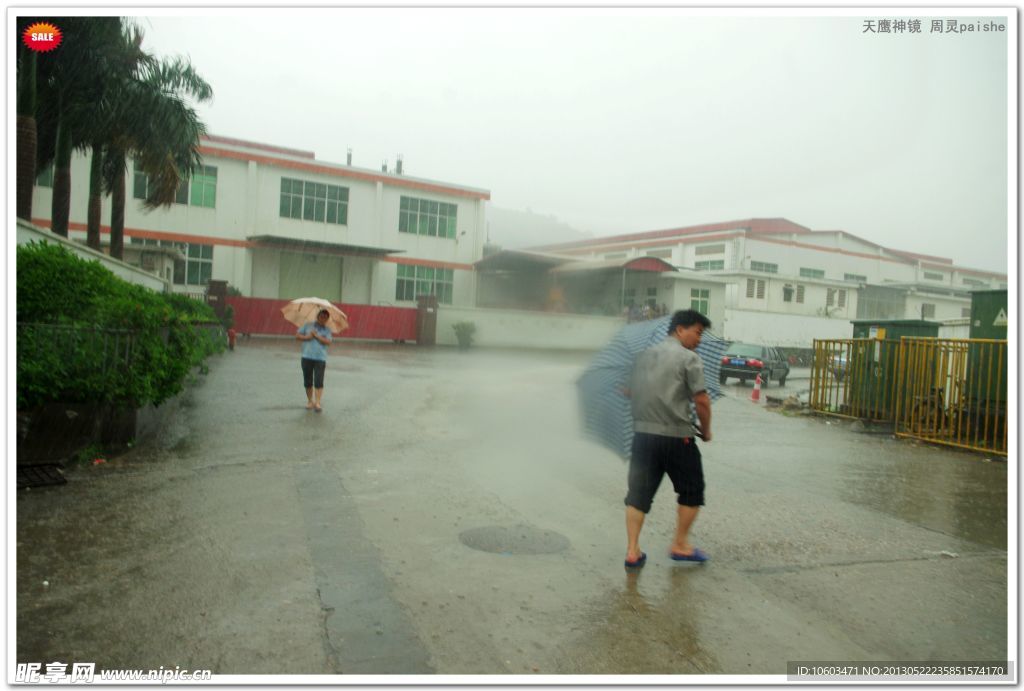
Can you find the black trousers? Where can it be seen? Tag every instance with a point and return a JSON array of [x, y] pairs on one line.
[[653, 457], [313, 373]]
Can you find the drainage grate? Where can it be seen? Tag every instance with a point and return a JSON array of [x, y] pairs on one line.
[[41, 475], [516, 539]]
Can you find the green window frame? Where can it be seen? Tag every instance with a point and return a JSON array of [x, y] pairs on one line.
[[204, 187], [811, 273], [855, 277], [709, 265], [140, 187], [412, 281], [313, 201], [932, 276], [764, 267], [197, 267], [700, 299], [427, 217]]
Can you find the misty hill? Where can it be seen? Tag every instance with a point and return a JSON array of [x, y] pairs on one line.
[[511, 229]]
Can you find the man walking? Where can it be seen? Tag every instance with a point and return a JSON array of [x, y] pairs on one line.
[[667, 380]]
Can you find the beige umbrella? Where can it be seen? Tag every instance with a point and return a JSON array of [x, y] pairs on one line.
[[304, 310]]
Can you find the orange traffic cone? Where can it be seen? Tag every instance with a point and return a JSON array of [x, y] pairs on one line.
[[755, 395]]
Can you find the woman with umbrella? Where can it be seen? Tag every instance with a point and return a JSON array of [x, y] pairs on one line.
[[316, 337]]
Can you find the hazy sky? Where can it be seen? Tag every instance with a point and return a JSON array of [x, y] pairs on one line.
[[625, 120]]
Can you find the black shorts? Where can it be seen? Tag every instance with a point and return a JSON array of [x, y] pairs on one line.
[[313, 373], [655, 455]]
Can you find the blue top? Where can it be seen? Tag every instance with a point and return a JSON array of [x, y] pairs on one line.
[[314, 349]]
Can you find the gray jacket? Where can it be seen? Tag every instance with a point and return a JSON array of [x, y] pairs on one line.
[[666, 377]]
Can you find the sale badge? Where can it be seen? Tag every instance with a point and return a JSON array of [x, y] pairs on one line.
[[42, 37]]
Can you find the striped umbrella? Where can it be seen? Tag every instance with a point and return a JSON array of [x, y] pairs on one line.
[[607, 414]]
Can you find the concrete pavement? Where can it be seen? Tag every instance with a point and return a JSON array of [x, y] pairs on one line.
[[444, 515]]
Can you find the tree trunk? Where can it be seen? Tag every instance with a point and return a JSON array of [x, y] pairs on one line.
[[117, 210], [95, 197], [26, 154], [61, 207], [26, 165]]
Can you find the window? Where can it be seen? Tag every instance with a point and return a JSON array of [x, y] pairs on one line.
[[787, 293], [198, 264], [314, 201], [660, 254], [197, 267], [204, 187], [45, 177], [799, 293], [927, 310], [974, 282], [427, 217], [855, 277], [811, 273], [836, 297], [424, 280], [140, 187], [709, 265], [965, 312], [617, 255], [755, 287], [764, 267], [710, 249], [932, 276], [700, 299]]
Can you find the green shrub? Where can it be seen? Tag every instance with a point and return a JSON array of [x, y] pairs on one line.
[[464, 332], [85, 317]]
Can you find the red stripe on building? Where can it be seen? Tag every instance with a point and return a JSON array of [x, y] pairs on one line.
[[342, 172], [256, 145], [409, 261]]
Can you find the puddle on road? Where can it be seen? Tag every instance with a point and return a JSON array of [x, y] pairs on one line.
[[517, 539]]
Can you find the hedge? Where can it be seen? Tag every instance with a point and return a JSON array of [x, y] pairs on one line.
[[70, 311]]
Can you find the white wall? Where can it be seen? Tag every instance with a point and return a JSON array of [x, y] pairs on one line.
[[29, 233], [527, 329], [785, 330], [717, 300], [945, 307]]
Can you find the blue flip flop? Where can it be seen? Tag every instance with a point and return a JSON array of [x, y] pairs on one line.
[[638, 563], [697, 555]]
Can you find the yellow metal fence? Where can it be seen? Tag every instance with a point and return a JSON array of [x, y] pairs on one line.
[[946, 391]]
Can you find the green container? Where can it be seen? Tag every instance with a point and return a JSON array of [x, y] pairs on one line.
[[895, 329], [988, 314], [986, 375], [876, 365]]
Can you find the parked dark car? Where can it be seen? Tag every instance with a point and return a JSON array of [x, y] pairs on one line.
[[746, 360]]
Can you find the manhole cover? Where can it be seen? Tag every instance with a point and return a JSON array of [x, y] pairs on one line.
[[516, 539]]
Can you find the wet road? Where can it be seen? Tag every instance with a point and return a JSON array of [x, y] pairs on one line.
[[443, 515]]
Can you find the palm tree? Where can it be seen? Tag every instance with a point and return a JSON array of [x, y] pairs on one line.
[[69, 82], [101, 92], [26, 131], [152, 122], [78, 77]]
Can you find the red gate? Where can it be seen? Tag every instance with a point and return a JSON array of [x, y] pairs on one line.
[[262, 316]]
